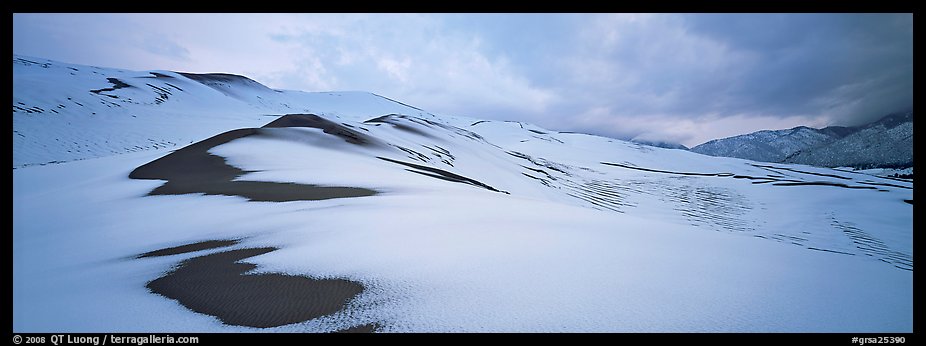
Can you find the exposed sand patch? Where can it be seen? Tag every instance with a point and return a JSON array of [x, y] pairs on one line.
[[176, 250], [216, 285], [193, 169], [327, 126]]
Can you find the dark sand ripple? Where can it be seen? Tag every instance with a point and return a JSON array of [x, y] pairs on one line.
[[669, 172], [216, 285], [442, 174]]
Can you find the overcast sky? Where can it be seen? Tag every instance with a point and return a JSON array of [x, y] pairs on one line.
[[684, 78]]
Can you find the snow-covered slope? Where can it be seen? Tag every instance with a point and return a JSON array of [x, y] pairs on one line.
[[64, 112], [887, 142], [448, 224]]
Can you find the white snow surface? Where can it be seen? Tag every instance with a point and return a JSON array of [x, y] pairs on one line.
[[57, 116], [572, 244]]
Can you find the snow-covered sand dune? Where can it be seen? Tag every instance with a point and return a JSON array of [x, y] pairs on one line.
[[64, 112], [467, 225]]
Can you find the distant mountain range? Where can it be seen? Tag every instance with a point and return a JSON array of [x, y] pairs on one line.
[[885, 143]]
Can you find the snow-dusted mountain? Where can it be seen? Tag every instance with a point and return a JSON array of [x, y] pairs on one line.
[[229, 206], [887, 142], [766, 145]]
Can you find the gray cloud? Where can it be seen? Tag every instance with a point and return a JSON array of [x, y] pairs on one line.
[[817, 64], [782, 70], [680, 77]]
